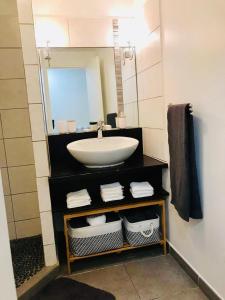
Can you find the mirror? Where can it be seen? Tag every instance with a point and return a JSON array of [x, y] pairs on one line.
[[80, 84]]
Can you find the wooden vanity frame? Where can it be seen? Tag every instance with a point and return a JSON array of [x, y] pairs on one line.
[[68, 216]]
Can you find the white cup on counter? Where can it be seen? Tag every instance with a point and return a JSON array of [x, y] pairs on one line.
[[71, 126], [61, 126], [107, 127]]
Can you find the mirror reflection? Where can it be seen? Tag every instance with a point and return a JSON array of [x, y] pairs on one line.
[[79, 85]]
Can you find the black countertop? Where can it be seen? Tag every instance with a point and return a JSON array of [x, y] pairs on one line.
[[64, 171]]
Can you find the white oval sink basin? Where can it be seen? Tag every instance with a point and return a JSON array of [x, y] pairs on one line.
[[103, 152]]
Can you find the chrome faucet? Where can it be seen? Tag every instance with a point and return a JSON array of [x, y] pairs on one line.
[[100, 128]]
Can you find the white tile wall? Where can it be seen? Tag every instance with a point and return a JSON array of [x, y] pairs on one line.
[[150, 53], [37, 122], [28, 44], [154, 142], [151, 112], [152, 14], [57, 31], [50, 255], [33, 83], [47, 228], [43, 194], [129, 90], [95, 32], [150, 83], [128, 69], [25, 11], [41, 158], [130, 111]]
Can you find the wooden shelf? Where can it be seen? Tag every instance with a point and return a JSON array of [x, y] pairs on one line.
[[116, 208], [125, 247]]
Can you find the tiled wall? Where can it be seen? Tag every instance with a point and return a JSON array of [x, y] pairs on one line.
[[23, 151], [150, 86], [38, 136], [16, 151], [130, 91]]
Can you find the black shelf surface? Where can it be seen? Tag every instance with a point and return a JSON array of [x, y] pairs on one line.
[[99, 203], [66, 179], [63, 171]]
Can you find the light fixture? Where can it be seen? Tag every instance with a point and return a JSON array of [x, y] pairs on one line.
[[47, 53], [128, 53]]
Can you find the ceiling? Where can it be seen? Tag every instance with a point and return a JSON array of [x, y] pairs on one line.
[[84, 8]]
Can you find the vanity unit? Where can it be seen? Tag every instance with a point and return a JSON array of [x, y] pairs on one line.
[[68, 175]]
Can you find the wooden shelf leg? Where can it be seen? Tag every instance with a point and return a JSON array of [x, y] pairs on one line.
[[67, 246], [164, 227]]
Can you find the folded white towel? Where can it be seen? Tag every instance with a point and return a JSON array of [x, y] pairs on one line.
[[141, 186], [142, 194], [81, 193], [112, 194], [112, 198], [78, 195], [71, 202], [74, 205], [96, 220], [111, 186], [78, 199]]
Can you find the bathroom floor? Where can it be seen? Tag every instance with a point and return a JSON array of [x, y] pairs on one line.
[[151, 278]]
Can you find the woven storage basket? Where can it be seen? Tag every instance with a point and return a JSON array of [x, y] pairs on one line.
[[143, 232], [94, 239]]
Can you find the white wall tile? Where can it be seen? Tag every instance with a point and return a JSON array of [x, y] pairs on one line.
[[28, 44], [33, 83], [149, 53], [52, 29], [151, 14], [128, 69], [50, 255], [41, 159], [154, 142], [43, 194], [130, 90], [130, 111], [151, 113], [25, 12], [150, 83], [91, 32], [37, 122], [47, 228]]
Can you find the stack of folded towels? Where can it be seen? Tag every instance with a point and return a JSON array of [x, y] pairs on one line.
[[78, 199], [112, 192], [141, 189]]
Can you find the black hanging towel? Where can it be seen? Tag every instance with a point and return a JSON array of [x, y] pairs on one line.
[[183, 173]]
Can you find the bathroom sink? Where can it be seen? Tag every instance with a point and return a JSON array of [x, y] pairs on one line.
[[103, 152]]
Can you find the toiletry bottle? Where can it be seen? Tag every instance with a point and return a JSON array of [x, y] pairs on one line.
[[122, 120]]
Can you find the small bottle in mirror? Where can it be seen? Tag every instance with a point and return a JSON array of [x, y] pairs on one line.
[[93, 125], [121, 121], [71, 124], [61, 126]]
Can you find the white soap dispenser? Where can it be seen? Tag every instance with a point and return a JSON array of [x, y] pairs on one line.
[[121, 120]]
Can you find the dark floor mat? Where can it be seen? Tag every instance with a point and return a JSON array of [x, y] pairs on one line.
[[27, 258], [69, 289]]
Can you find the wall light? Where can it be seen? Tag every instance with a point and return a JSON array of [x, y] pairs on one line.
[[128, 53]]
